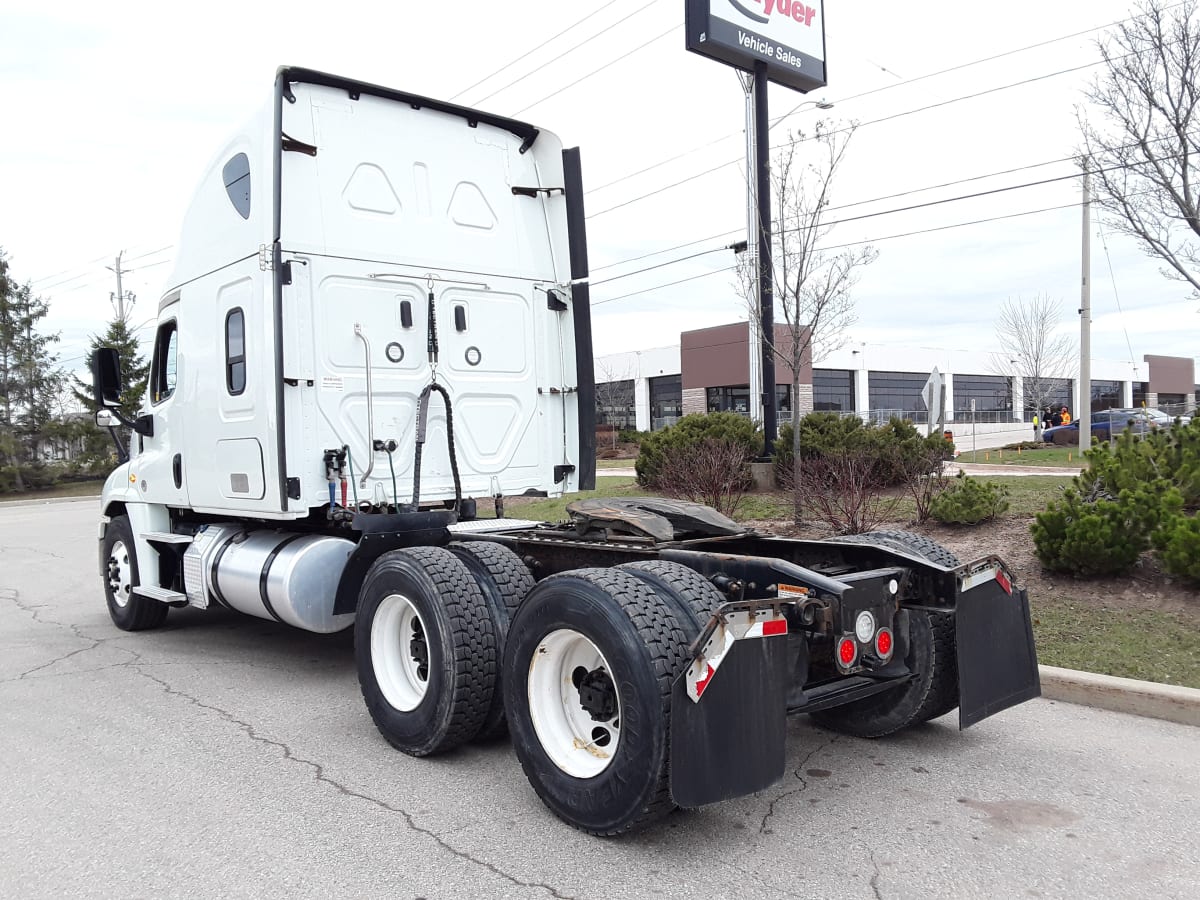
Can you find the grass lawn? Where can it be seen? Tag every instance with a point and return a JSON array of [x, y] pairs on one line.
[[1131, 643], [615, 463], [1050, 456], [550, 510], [70, 489]]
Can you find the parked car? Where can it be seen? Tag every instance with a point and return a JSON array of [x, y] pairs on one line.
[[1107, 423]]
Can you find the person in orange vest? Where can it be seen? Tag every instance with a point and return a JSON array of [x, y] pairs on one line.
[[1066, 416]]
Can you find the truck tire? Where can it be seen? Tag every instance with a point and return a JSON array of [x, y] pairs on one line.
[[129, 611], [425, 648], [907, 541], [692, 597], [591, 659], [504, 580]]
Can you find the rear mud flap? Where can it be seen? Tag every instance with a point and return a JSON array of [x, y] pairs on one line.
[[732, 742], [997, 661]]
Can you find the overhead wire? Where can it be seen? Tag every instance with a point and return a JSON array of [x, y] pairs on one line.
[[528, 53], [888, 118], [1116, 293], [567, 52], [611, 62]]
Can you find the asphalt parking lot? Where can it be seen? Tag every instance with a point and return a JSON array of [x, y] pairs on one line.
[[227, 756]]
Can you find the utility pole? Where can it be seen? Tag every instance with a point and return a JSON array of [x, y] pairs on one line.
[[118, 299], [1085, 322]]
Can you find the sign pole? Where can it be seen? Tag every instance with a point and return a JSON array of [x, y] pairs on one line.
[[766, 287]]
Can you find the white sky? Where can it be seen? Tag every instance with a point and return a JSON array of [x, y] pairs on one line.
[[112, 111]]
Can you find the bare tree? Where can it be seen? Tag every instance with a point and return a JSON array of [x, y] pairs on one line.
[[614, 394], [1026, 333], [1141, 141], [813, 286]]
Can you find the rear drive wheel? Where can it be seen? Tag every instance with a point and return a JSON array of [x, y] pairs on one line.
[[129, 611], [692, 597], [504, 580], [426, 650], [592, 655]]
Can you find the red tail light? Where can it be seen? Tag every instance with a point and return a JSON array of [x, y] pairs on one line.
[[847, 652], [883, 643]]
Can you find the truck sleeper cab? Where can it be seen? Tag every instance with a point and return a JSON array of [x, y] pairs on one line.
[[379, 314]]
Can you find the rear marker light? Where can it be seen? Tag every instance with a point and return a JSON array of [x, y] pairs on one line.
[[847, 652], [864, 627], [883, 643]]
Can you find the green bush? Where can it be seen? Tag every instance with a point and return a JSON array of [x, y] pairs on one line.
[[632, 436], [898, 449], [1082, 535], [969, 501], [1178, 543], [1173, 454], [691, 432]]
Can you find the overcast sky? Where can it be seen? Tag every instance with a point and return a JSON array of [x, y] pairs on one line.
[[112, 111]]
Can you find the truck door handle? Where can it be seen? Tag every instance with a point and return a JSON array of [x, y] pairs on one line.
[[177, 470]]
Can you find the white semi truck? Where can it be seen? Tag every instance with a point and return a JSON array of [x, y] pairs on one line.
[[379, 315]]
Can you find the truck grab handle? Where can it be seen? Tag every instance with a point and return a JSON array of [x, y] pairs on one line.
[[358, 331]]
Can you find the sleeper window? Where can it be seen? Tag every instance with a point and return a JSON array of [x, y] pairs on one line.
[[235, 351]]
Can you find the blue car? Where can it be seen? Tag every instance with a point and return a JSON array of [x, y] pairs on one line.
[[1110, 422]]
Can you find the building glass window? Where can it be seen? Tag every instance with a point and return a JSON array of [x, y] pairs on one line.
[[1105, 395], [614, 404], [992, 395], [729, 399], [897, 394], [235, 351], [833, 390], [1140, 390], [1052, 393], [666, 401]]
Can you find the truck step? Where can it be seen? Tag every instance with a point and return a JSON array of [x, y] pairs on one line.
[[485, 525], [167, 537], [166, 595]]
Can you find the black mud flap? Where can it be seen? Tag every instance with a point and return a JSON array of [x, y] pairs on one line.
[[733, 741], [997, 661]]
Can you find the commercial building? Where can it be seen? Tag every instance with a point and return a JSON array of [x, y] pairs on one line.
[[708, 370]]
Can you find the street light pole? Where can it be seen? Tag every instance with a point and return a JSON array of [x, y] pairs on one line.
[[754, 342]]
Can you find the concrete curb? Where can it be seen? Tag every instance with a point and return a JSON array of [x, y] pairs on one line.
[[1127, 695], [93, 498]]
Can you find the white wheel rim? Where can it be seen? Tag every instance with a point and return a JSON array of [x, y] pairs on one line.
[[120, 574], [577, 743], [402, 676]]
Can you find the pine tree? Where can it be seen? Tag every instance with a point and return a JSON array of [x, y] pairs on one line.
[[29, 378], [133, 368]]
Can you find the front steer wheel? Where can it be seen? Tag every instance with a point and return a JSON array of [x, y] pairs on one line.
[[426, 650], [591, 658], [129, 611]]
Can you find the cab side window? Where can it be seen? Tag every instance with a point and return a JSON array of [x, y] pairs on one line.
[[164, 367]]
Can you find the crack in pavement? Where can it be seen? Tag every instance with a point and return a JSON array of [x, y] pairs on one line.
[[875, 877], [38, 550], [319, 774], [33, 610], [762, 828]]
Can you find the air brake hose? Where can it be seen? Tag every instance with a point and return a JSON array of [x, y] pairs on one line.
[[422, 422]]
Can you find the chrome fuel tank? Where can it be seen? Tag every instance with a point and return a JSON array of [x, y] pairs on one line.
[[284, 576]]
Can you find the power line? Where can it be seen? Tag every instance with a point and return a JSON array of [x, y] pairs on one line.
[[528, 53], [588, 40], [874, 240], [886, 87], [611, 62], [888, 118], [1116, 294]]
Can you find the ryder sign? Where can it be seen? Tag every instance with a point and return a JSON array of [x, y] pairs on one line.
[[787, 35]]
